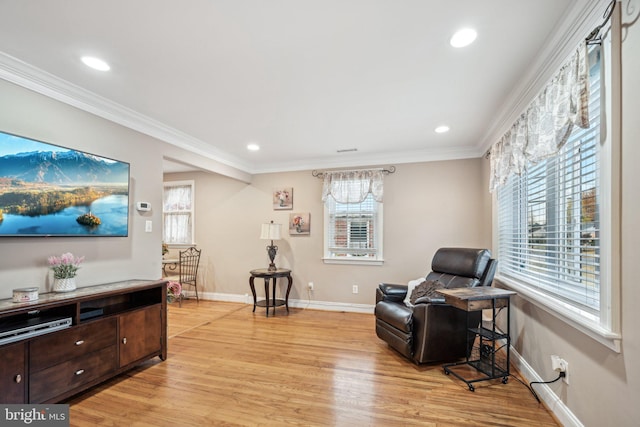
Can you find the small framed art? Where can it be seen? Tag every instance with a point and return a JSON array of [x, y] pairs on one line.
[[299, 224], [283, 198]]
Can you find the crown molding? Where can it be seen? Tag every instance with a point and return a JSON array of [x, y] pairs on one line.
[[42, 82], [375, 159], [580, 18]]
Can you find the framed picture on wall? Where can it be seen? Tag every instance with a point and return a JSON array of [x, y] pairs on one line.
[[283, 198], [300, 224]]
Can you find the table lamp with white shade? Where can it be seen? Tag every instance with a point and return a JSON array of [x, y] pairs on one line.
[[271, 231]]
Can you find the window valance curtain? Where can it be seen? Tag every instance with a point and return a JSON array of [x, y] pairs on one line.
[[548, 121], [353, 186]]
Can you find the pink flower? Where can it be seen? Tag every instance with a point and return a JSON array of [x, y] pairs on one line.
[[65, 266], [174, 288]]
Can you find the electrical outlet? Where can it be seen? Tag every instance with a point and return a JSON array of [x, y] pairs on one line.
[[310, 286], [355, 289], [564, 367], [558, 364]]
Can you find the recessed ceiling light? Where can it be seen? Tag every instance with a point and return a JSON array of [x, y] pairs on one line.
[[442, 129], [95, 63], [253, 147], [463, 37]]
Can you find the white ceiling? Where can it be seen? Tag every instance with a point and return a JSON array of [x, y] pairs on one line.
[[302, 78]]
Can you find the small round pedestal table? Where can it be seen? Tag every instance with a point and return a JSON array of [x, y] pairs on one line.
[[270, 275]]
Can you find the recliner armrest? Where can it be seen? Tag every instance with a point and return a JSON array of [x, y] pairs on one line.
[[391, 292]]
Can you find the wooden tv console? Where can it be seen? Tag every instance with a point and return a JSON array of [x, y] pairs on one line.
[[113, 328]]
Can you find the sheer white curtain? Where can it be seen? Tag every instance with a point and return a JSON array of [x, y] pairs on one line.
[[548, 121], [177, 214], [353, 186], [177, 228]]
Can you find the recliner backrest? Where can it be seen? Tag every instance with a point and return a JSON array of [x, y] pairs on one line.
[[462, 267]]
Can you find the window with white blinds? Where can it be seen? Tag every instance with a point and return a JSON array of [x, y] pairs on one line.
[[549, 227], [178, 212], [353, 230]]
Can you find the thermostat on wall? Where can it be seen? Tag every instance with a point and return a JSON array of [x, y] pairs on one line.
[[144, 206]]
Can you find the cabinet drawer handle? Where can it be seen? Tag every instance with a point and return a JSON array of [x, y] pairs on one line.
[[124, 340], [80, 372], [79, 342], [18, 379]]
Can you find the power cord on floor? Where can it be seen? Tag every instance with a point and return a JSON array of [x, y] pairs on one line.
[[530, 386]]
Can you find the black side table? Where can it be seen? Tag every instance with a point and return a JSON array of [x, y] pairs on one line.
[[270, 276], [485, 363]]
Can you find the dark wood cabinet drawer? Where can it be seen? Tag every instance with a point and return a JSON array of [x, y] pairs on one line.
[[12, 373], [49, 350], [58, 379], [140, 334]]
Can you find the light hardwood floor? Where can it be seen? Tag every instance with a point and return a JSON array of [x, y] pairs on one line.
[[228, 366]]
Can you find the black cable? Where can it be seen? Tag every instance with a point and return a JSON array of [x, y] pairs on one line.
[[527, 386], [533, 392], [560, 375]]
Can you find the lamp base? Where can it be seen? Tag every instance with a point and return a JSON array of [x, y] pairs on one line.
[[271, 251]]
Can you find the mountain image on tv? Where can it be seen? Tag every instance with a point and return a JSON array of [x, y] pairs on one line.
[[50, 190], [71, 167]]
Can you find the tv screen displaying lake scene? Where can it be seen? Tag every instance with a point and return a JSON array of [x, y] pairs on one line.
[[48, 190]]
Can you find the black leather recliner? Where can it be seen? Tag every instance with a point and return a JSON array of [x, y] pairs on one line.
[[432, 331]]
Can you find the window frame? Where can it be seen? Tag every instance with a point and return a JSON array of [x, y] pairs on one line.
[[605, 327], [191, 212], [330, 258]]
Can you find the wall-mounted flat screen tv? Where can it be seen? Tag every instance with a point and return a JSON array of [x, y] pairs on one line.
[[48, 190]]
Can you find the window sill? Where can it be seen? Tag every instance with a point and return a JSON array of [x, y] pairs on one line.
[[568, 314], [180, 245], [352, 261]]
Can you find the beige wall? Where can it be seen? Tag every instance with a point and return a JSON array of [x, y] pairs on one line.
[[426, 206], [24, 260], [604, 387]]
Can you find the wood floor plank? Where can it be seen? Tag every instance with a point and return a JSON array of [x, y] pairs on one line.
[[228, 366]]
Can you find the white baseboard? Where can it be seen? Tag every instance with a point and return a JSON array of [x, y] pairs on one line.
[[294, 303], [332, 306], [216, 296], [544, 392]]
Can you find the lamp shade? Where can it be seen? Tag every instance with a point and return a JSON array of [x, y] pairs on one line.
[[270, 231]]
